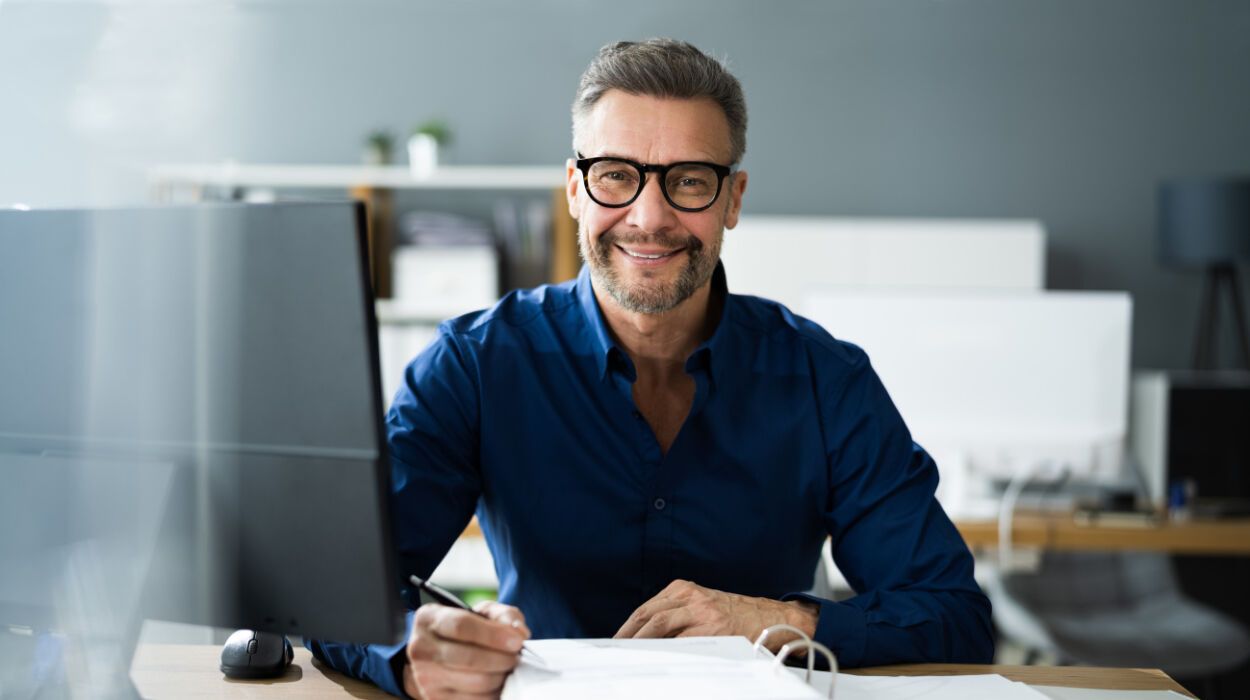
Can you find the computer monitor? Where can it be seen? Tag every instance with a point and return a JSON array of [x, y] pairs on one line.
[[190, 426]]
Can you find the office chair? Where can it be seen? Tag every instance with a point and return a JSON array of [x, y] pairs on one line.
[[1119, 609], [1116, 609]]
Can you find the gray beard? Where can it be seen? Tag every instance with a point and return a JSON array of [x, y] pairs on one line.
[[649, 299]]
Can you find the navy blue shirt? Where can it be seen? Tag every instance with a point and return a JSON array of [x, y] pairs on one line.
[[524, 414]]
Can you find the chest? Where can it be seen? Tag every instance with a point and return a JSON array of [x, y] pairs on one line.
[[734, 501], [665, 407]]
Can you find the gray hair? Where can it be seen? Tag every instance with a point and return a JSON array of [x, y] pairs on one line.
[[663, 68]]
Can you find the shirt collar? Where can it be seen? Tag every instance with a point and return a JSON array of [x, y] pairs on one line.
[[713, 354], [605, 348], [709, 354]]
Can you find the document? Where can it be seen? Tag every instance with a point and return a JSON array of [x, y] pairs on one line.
[[723, 668], [653, 669], [1057, 693], [978, 687]]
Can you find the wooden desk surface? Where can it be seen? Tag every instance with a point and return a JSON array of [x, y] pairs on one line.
[[1061, 531], [189, 671]]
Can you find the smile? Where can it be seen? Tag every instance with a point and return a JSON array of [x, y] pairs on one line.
[[650, 256]]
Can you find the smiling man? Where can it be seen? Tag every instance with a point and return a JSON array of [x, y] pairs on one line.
[[650, 455]]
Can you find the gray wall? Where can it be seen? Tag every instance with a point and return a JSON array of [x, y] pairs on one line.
[[1068, 111]]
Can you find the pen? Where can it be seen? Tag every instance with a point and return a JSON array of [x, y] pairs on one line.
[[446, 597]]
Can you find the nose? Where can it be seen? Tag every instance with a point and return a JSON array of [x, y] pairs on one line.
[[651, 212]]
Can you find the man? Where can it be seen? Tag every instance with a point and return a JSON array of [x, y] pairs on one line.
[[650, 455]]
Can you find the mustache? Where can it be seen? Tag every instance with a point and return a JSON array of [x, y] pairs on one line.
[[662, 240]]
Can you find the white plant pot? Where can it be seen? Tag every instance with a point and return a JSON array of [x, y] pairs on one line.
[[422, 155]]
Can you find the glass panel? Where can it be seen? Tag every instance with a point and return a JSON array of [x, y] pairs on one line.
[[691, 185], [613, 181]]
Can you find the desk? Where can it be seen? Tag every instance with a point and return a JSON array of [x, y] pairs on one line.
[[1059, 531], [190, 671]]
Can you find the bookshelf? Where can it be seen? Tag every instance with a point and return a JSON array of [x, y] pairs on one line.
[[376, 185]]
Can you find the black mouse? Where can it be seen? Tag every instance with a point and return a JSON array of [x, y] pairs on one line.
[[251, 654]]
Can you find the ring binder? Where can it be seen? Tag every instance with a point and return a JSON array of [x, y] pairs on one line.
[[759, 641], [675, 668], [804, 642], [812, 646]]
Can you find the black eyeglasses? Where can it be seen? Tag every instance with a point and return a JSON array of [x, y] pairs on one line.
[[617, 182]]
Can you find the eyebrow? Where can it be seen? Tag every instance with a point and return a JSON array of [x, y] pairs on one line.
[[680, 160]]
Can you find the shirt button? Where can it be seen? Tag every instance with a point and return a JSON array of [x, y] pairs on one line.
[[659, 504]]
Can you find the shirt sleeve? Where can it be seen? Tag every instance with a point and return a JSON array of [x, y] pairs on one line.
[[379, 664], [917, 600], [432, 437]]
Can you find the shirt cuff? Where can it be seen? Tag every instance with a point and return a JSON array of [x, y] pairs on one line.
[[380, 664], [840, 627], [398, 661]]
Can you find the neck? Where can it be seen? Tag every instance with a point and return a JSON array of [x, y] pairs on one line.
[[659, 344]]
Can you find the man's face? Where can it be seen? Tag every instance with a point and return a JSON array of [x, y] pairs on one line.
[[648, 256]]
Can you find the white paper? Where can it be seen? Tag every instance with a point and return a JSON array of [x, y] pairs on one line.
[[1057, 693], [653, 669], [978, 687], [727, 668]]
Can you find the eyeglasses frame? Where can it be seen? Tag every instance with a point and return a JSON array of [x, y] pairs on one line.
[[722, 172]]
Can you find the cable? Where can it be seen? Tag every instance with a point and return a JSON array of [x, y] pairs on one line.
[[1011, 495]]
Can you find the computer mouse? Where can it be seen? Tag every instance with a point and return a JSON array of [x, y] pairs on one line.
[[252, 654]]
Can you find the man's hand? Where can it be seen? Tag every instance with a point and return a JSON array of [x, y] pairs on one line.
[[453, 653], [685, 609]]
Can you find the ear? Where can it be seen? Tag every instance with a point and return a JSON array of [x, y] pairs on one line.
[[737, 186], [572, 185]]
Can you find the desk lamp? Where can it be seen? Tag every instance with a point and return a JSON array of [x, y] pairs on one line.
[[1205, 222]]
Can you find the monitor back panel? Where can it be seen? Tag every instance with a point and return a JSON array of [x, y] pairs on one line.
[[238, 343]]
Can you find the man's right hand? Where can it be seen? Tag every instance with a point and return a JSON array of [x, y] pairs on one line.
[[453, 653]]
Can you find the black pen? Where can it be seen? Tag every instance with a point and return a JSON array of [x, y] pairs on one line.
[[446, 597]]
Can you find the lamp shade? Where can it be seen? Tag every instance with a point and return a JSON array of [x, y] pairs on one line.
[[1204, 221]]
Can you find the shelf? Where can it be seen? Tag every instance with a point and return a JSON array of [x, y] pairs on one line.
[[447, 177], [375, 185]]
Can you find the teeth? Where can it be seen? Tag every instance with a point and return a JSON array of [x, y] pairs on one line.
[[647, 257]]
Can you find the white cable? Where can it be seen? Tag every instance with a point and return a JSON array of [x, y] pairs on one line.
[[1007, 506]]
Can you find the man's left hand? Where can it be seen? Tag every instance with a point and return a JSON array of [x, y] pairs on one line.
[[685, 609]]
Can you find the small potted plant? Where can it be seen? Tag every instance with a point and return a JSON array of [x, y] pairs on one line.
[[423, 146], [379, 145]]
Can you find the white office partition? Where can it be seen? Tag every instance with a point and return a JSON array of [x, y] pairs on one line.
[[999, 382], [787, 258]]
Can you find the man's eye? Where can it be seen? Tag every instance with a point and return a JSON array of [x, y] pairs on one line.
[[691, 185], [613, 176]]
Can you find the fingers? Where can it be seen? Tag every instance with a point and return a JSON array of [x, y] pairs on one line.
[[507, 614], [643, 615], [676, 595], [666, 624], [456, 625], [437, 681], [454, 653], [462, 640]]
